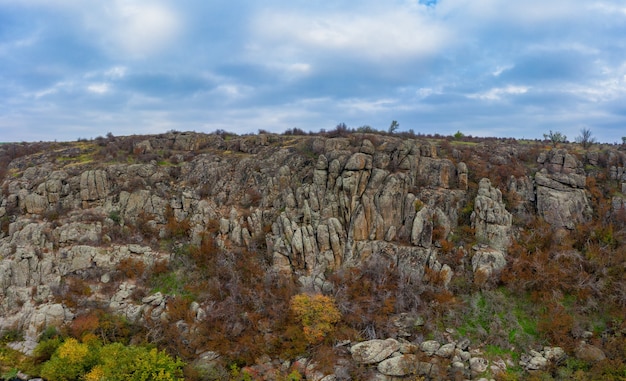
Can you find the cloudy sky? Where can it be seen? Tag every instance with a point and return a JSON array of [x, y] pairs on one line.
[[509, 68]]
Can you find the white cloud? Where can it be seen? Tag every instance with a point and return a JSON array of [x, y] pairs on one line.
[[367, 106], [54, 89], [233, 91], [608, 8], [425, 92], [298, 68], [513, 12], [501, 69], [498, 92], [98, 88], [140, 28], [117, 72], [45, 92], [609, 87], [379, 36], [136, 28]]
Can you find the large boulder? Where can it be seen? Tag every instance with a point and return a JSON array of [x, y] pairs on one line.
[[36, 204], [560, 189], [589, 353], [487, 261], [430, 347], [374, 351], [405, 365], [562, 202]]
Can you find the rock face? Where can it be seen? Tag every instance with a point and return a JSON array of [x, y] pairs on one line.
[[561, 197], [490, 218], [391, 201]]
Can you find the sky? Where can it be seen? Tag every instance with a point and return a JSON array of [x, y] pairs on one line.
[[73, 69]]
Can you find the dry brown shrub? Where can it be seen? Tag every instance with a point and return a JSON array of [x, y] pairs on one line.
[[178, 309], [175, 228], [84, 324], [143, 225], [555, 324], [131, 268], [213, 226], [446, 246], [159, 267]]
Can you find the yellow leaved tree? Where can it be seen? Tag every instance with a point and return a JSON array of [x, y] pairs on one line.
[[317, 313]]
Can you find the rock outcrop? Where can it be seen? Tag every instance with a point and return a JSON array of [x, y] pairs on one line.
[[490, 218], [351, 203], [561, 197], [74, 227]]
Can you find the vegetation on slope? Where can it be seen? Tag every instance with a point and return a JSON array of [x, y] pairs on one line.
[[557, 286]]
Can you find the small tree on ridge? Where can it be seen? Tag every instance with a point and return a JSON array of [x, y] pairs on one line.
[[555, 138], [585, 138]]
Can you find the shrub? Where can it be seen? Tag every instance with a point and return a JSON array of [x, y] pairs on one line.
[[70, 362], [555, 324], [175, 228], [131, 268], [178, 309], [318, 315], [45, 349], [83, 324], [294, 131], [12, 334], [115, 216], [113, 362], [120, 363], [341, 130]]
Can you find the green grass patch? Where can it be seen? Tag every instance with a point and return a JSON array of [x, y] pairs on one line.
[[171, 283], [526, 322], [499, 318]]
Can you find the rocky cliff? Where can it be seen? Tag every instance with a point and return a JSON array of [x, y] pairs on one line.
[[74, 214]]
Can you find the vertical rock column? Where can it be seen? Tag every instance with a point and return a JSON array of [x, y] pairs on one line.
[[493, 224], [490, 218]]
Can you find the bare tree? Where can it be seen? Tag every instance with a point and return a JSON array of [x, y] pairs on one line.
[[585, 138]]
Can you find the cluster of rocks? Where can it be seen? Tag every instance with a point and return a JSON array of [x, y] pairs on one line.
[[539, 360], [392, 359]]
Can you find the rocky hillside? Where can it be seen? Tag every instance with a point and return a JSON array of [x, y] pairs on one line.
[[444, 259]]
